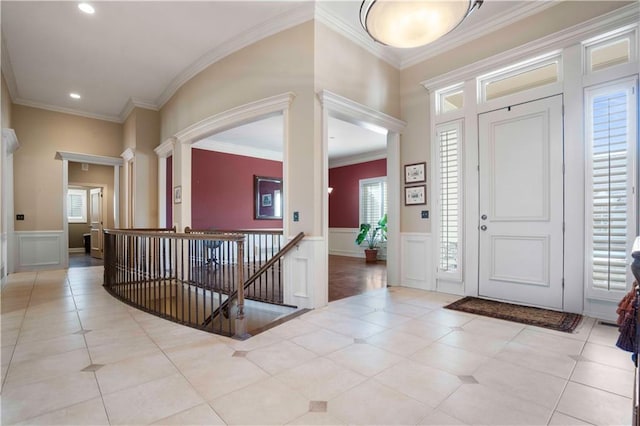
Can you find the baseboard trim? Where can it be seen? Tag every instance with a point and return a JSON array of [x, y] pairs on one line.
[[76, 250]]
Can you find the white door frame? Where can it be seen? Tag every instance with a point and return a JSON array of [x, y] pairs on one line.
[[345, 109], [89, 159], [9, 146]]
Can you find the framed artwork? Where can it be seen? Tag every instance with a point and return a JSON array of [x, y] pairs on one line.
[[177, 195], [415, 173], [415, 195], [267, 197]]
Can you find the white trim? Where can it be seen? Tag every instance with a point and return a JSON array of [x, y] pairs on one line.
[[357, 159], [76, 250], [128, 154], [65, 110], [415, 252], [235, 149], [9, 141], [286, 20], [165, 149], [361, 115], [88, 158], [575, 34], [235, 117], [136, 103]]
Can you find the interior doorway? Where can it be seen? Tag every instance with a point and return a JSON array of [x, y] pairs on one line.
[[521, 247]]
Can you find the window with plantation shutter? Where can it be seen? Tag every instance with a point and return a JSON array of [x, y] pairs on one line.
[[373, 199], [610, 133], [449, 203], [77, 205]]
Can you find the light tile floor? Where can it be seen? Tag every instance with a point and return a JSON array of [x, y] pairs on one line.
[[71, 354]]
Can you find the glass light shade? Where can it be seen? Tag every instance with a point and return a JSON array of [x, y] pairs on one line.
[[408, 24]]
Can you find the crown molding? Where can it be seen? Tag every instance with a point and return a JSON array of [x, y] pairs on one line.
[[7, 70], [128, 154], [357, 159], [627, 15], [88, 158], [136, 103], [64, 110], [279, 23], [363, 115], [455, 39], [9, 140], [235, 149], [335, 23], [235, 116], [165, 149]]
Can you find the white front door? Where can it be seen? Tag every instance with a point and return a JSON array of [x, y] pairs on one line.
[[521, 203], [95, 218]]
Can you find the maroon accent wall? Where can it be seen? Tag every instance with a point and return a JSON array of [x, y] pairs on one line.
[[344, 203], [169, 193], [222, 190]]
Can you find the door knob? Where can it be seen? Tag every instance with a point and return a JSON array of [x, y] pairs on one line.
[[483, 227], [483, 217]]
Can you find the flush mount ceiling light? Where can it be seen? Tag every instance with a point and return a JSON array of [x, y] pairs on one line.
[[413, 23], [74, 96], [86, 8]]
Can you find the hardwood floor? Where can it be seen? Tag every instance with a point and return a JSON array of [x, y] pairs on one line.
[[349, 276]]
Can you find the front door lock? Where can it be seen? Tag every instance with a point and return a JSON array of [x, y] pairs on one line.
[[483, 217], [483, 227]]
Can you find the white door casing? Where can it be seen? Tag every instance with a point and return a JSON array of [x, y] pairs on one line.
[[95, 220], [521, 203]]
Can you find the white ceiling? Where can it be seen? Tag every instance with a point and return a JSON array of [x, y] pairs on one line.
[[138, 53]]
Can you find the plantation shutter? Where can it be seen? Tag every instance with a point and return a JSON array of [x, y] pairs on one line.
[[77, 205], [449, 196], [373, 200], [610, 184]]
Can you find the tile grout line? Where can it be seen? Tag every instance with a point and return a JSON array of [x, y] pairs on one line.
[[24, 315], [84, 337]]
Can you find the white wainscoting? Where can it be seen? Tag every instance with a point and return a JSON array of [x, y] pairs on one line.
[[416, 252], [601, 309], [38, 250], [342, 243], [305, 280]]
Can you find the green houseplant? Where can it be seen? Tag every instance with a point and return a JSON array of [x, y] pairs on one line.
[[372, 236]]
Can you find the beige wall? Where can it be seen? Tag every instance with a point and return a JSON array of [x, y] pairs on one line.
[[38, 175], [76, 234], [344, 68], [415, 144], [278, 64], [141, 133]]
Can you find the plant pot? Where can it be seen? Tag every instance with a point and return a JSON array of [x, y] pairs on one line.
[[371, 255]]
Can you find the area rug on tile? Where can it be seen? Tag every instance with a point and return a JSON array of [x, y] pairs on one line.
[[554, 320]]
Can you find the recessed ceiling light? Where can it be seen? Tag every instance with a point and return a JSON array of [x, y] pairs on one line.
[[74, 96], [86, 8]]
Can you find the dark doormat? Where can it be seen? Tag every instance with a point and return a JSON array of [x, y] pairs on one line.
[[554, 320]]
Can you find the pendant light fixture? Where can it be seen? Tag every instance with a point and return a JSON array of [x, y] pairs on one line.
[[413, 23]]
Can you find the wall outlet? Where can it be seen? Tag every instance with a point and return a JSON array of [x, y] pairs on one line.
[[19, 217], [424, 214], [296, 216]]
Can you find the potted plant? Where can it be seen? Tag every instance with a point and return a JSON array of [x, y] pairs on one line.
[[373, 236]]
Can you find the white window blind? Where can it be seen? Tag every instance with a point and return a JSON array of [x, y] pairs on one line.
[[449, 199], [373, 199], [610, 181], [77, 205]]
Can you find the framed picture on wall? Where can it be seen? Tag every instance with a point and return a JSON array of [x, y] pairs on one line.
[[415, 173], [177, 195], [415, 195]]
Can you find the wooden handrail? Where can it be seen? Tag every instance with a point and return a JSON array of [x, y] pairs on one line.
[[176, 236], [224, 306], [188, 230]]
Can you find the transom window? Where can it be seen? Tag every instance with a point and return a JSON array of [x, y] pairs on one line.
[[607, 50]]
